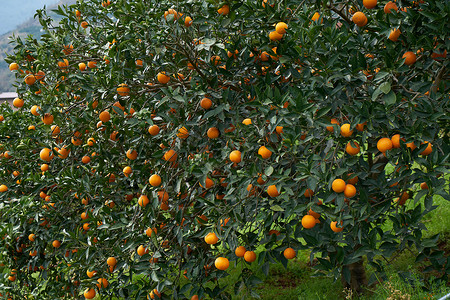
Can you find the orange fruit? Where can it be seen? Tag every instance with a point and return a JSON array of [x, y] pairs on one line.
[[281, 27], [170, 155], [104, 116], [308, 221], [411, 145], [360, 19], [86, 159], [247, 122], [334, 227], [155, 292], [111, 261], [47, 119], [82, 66], [206, 103], [153, 130], [369, 4], [213, 133], [424, 186], [272, 191], [249, 256], [132, 154], [89, 293], [395, 34], [360, 127], [30, 79], [410, 58], [224, 10], [56, 244], [34, 110], [32, 237], [338, 185], [404, 196], [143, 200], [389, 7], [46, 154], [308, 193], [274, 36], [208, 183], [150, 231], [127, 171], [163, 78], [331, 128], [155, 180], [349, 190], [264, 152], [44, 167], [315, 17], [235, 156], [84, 24], [428, 149], [279, 129], [240, 251], [102, 283], [395, 139], [289, 253], [183, 133], [352, 150], [211, 238], [384, 144], [222, 263], [17, 102], [141, 250], [313, 213], [188, 21], [3, 188], [55, 130], [92, 64], [123, 90], [345, 130], [13, 66]]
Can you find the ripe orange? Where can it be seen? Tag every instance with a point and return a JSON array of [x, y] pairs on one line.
[[235, 156], [13, 66], [183, 133], [428, 149], [102, 283], [411, 146], [163, 78], [308, 193], [369, 4], [46, 154], [123, 90], [395, 34], [32, 237], [334, 227], [345, 130], [170, 155], [384, 144], [315, 17], [105, 116], [333, 121], [279, 129], [127, 171], [350, 190], [352, 150], [155, 292], [281, 27], [289, 253], [338, 185], [206, 103], [249, 256], [211, 238], [410, 58], [86, 159], [56, 244], [247, 121], [132, 154], [188, 21], [44, 167], [360, 127], [424, 186], [143, 200], [92, 64], [313, 213], [90, 274], [34, 110], [272, 191], [3, 188], [150, 231], [153, 130], [84, 24], [17, 102], [222, 263], [224, 10], [389, 7], [395, 139], [47, 119], [404, 196], [111, 261], [141, 250], [264, 152], [82, 66], [308, 221], [274, 36], [30, 79], [89, 293], [155, 180], [240, 251], [213, 133], [360, 19]]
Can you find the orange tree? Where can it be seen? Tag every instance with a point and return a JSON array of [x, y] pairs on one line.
[[160, 142]]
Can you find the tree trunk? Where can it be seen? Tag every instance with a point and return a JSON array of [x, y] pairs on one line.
[[358, 277]]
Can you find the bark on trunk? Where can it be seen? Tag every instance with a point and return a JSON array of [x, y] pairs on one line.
[[358, 277]]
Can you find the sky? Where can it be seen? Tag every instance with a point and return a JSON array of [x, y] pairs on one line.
[[15, 12]]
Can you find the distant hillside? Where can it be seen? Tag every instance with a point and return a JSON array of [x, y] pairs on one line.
[[32, 27]]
